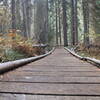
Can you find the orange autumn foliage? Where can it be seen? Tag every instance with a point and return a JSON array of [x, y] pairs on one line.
[[11, 33], [15, 42]]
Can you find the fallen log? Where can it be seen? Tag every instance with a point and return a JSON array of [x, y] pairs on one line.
[[4, 67]]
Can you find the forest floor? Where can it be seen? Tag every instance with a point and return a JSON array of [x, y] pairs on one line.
[[92, 52], [87, 52], [14, 46]]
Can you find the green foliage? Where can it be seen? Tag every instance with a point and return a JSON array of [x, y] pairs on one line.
[[98, 4], [14, 46], [11, 54]]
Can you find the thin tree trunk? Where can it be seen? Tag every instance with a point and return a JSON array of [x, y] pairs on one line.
[[28, 17], [13, 14], [56, 25], [64, 23], [47, 22], [24, 20], [86, 22], [74, 23], [59, 23], [40, 25]]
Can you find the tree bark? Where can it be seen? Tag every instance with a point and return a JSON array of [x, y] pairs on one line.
[[86, 22], [74, 23], [40, 25], [64, 23], [13, 4], [59, 10], [56, 23]]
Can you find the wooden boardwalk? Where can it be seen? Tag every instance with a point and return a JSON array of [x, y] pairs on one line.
[[59, 76]]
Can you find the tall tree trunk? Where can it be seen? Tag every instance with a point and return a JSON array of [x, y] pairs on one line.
[[64, 23], [40, 25], [28, 16], [18, 14], [47, 28], [86, 22], [13, 4], [24, 20], [59, 10], [74, 23], [56, 24]]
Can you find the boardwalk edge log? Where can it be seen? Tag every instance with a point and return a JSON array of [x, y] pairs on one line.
[[88, 59], [7, 66]]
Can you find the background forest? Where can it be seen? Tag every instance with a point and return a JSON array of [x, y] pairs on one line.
[[73, 23]]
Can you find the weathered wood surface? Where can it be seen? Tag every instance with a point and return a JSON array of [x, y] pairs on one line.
[[59, 76], [39, 97]]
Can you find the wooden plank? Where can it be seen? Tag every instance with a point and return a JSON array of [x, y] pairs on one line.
[[45, 88], [57, 77], [56, 66], [53, 73], [60, 64], [57, 70], [53, 66], [65, 60], [54, 79], [61, 68], [43, 97], [60, 98]]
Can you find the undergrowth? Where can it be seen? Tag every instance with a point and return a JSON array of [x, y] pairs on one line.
[[14, 46], [92, 51]]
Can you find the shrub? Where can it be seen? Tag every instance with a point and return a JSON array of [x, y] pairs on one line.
[[14, 46]]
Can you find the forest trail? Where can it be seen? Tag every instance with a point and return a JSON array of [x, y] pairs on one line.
[[59, 76]]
